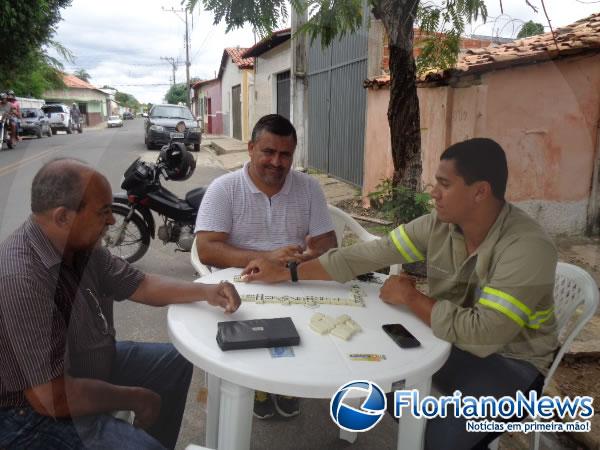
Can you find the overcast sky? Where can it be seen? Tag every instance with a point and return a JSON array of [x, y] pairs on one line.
[[120, 42]]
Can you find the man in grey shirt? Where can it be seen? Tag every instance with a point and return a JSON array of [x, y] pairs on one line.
[[265, 210], [61, 370]]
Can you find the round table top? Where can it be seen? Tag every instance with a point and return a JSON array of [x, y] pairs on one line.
[[321, 363]]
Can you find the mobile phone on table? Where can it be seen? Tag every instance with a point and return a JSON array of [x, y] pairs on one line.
[[401, 335]]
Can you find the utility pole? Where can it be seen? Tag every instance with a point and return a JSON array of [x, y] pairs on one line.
[[298, 88], [187, 50], [174, 63]]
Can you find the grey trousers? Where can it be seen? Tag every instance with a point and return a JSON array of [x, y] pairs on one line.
[[495, 376]]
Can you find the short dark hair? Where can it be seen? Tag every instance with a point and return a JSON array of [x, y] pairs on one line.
[[57, 185], [480, 159], [276, 124]]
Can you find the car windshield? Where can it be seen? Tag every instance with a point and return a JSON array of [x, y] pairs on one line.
[[113, 118], [53, 109], [172, 112]]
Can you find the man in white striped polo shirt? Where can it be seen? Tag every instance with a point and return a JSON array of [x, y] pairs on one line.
[[265, 210]]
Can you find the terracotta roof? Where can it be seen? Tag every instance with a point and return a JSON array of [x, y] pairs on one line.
[[266, 44], [580, 37], [377, 82], [197, 84], [236, 55], [72, 81]]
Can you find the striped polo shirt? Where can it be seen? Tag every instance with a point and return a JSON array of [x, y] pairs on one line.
[[56, 318], [234, 205]]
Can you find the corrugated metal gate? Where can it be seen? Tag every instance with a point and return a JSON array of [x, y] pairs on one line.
[[336, 105], [283, 94]]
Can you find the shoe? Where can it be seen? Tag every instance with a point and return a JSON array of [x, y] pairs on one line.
[[263, 405], [287, 406]]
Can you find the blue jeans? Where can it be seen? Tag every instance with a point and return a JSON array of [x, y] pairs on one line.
[[158, 367]]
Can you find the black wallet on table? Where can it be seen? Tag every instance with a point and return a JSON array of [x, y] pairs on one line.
[[258, 333]]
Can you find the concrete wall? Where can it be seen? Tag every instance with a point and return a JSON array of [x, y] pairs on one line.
[[266, 68], [212, 91], [247, 81], [545, 116], [232, 76]]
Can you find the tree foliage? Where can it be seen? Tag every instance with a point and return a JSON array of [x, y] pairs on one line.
[[176, 94], [127, 100], [28, 26], [82, 75], [530, 28]]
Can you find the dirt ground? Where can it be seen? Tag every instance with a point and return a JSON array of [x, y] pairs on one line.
[[578, 373]]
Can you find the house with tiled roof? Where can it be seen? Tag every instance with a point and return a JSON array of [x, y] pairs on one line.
[[91, 100], [236, 75], [207, 105], [271, 90], [539, 97]]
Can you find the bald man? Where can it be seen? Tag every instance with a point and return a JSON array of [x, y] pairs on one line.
[[61, 370]]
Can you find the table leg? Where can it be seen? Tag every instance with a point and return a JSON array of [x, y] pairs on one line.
[[235, 417], [350, 436], [411, 431], [212, 410]]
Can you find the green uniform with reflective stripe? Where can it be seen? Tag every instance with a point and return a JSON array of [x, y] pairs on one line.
[[497, 300]]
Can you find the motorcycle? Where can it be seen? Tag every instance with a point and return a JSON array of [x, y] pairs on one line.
[[5, 131], [130, 236]]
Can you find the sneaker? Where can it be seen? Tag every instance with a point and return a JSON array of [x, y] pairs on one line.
[[263, 405], [287, 406]]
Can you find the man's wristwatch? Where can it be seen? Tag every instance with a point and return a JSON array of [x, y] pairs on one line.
[[293, 266]]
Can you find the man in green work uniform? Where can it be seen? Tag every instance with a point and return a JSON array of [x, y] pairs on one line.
[[490, 271]]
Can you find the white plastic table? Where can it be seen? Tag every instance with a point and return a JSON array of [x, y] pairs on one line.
[[321, 364]]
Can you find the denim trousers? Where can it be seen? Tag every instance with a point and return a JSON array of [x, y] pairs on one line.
[[158, 367]]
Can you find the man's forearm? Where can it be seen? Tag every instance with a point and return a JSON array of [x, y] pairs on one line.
[[157, 290], [222, 255], [313, 270], [422, 306], [74, 397]]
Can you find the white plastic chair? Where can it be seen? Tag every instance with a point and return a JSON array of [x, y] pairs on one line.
[[574, 289], [201, 269], [342, 220]]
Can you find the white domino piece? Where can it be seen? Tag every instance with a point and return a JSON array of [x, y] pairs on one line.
[[343, 332], [342, 319], [353, 325]]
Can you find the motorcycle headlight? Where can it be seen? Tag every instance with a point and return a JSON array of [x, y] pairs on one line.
[[158, 128], [196, 130]]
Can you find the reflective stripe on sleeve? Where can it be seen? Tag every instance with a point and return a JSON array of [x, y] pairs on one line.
[[405, 246], [513, 308]]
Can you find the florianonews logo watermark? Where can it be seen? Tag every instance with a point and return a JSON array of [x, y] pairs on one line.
[[362, 418], [508, 411]]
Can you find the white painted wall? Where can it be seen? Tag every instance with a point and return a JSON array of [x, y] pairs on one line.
[[267, 66], [232, 76]]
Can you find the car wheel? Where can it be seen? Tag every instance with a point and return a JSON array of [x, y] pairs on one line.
[[196, 147], [54, 131]]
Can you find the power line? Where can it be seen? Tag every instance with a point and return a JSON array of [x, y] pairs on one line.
[[187, 50], [174, 63]]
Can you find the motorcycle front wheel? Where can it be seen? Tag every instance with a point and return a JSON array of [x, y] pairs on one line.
[[129, 240]]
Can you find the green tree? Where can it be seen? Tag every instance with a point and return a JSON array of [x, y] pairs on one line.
[[330, 19], [176, 94], [27, 26], [530, 28], [82, 75], [127, 100]]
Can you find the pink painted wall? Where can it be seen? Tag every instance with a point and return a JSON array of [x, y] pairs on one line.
[[545, 116], [213, 91]]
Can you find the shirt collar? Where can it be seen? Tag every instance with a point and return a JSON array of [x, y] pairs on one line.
[[41, 244], [285, 190], [493, 232]]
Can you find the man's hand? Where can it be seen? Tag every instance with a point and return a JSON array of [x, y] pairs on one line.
[[146, 408], [285, 254], [265, 270], [224, 295], [399, 290]]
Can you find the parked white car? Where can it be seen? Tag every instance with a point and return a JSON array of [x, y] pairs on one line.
[[60, 117], [114, 121]]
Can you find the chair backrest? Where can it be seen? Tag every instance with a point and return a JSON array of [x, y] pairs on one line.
[[574, 289], [342, 220], [200, 268]]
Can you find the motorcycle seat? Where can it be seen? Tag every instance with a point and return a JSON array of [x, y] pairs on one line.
[[194, 197]]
